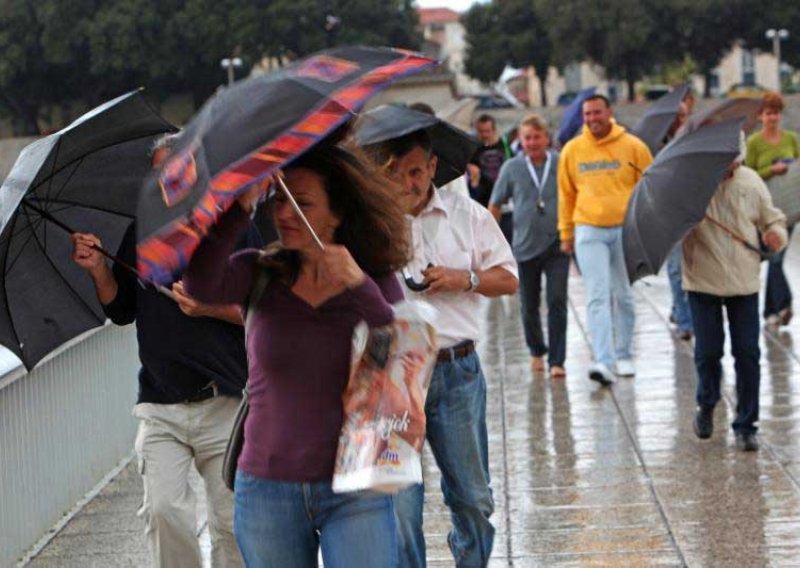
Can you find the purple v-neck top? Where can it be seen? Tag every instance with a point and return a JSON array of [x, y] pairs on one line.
[[298, 355]]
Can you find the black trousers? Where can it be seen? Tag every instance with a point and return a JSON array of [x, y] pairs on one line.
[[554, 265]]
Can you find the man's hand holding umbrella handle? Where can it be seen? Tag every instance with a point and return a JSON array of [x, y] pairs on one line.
[[230, 313], [86, 255], [568, 247]]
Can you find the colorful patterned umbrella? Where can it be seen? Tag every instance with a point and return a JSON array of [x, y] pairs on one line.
[[245, 133]]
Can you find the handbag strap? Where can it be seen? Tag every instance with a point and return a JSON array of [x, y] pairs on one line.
[[260, 284]]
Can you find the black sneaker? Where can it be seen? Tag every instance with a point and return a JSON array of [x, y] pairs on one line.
[[704, 422], [746, 441]]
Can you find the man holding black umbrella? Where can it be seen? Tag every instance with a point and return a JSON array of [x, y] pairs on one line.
[[466, 257], [193, 370]]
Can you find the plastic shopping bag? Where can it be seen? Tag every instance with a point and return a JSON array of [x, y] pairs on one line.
[[384, 404]]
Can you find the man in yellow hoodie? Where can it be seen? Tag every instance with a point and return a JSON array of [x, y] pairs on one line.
[[596, 175]]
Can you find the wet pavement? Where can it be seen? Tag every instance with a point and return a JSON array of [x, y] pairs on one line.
[[585, 475]]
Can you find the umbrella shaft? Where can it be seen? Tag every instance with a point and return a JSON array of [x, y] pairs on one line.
[[61, 225]]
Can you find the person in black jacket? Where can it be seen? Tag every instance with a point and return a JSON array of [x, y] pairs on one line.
[[194, 368]]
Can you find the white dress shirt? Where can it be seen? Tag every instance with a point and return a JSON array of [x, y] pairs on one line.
[[456, 232]]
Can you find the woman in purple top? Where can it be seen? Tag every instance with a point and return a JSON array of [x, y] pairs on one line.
[[299, 348]]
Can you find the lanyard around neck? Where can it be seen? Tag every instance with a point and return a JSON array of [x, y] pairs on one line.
[[535, 177]]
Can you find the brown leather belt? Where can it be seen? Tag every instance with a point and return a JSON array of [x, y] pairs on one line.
[[456, 351]]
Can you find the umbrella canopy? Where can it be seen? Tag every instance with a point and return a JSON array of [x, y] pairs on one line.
[[572, 119], [452, 146], [747, 109], [246, 132], [87, 177], [652, 128], [785, 190], [674, 193]]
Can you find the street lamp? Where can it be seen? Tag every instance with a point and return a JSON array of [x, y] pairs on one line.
[[776, 36], [229, 63]]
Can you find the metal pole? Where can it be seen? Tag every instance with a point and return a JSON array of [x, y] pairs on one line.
[[776, 50], [230, 74]]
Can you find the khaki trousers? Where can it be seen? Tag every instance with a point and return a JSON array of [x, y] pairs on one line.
[[170, 436]]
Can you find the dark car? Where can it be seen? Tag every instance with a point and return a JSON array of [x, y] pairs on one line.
[[492, 102], [566, 97]]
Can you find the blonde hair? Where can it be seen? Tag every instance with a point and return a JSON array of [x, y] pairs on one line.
[[537, 122]]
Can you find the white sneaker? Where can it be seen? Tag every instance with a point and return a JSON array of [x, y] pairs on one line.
[[625, 368], [602, 374]]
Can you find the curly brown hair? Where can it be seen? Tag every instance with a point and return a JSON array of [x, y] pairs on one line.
[[373, 226]]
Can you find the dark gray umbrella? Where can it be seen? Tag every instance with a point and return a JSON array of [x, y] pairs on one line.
[[674, 193], [452, 146], [652, 128], [87, 177], [747, 109]]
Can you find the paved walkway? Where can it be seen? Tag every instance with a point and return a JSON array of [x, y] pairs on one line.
[[584, 475]]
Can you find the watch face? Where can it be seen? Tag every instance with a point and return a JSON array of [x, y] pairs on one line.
[[473, 280]]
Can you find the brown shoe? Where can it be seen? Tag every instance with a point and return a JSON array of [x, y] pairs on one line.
[[537, 364], [557, 372], [785, 315]]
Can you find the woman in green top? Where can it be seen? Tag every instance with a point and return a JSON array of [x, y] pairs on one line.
[[770, 152]]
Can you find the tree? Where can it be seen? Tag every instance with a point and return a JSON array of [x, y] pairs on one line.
[[508, 32]]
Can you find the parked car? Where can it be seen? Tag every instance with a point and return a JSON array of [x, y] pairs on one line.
[[743, 91], [654, 92], [566, 97], [492, 102]]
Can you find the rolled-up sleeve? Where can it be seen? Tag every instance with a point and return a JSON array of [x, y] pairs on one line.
[[491, 247]]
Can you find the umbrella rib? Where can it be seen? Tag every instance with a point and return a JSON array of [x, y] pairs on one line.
[[79, 205], [32, 229], [65, 281], [69, 178], [115, 143]]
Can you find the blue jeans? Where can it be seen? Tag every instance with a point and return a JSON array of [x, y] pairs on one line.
[[456, 430], [680, 304], [554, 265], [610, 310], [708, 351], [282, 524], [778, 295]]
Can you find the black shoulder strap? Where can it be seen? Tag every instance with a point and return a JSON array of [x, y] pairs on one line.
[[260, 284]]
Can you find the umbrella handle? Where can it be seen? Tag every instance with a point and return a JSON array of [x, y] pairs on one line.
[[297, 210]]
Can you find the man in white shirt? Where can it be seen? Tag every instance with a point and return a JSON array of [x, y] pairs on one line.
[[460, 252]]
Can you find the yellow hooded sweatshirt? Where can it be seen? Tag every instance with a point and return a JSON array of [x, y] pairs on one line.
[[596, 178]]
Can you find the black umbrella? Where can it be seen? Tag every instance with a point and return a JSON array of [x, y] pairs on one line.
[[674, 193], [452, 146], [652, 128], [245, 133], [87, 177]]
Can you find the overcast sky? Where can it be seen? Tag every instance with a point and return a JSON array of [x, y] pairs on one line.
[[457, 5]]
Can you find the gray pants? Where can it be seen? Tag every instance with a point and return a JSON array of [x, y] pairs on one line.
[[170, 437]]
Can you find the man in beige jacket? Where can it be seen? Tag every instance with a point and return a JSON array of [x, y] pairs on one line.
[[719, 270]]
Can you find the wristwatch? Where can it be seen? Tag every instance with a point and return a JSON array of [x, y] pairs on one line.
[[474, 281]]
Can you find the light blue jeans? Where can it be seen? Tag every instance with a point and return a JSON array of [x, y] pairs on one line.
[[456, 430], [610, 311], [282, 524]]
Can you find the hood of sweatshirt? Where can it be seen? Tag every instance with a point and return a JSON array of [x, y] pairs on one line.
[[614, 134]]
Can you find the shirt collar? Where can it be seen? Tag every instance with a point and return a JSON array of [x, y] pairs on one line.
[[434, 204]]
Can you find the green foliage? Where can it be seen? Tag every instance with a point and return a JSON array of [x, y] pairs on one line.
[[89, 50], [509, 32]]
